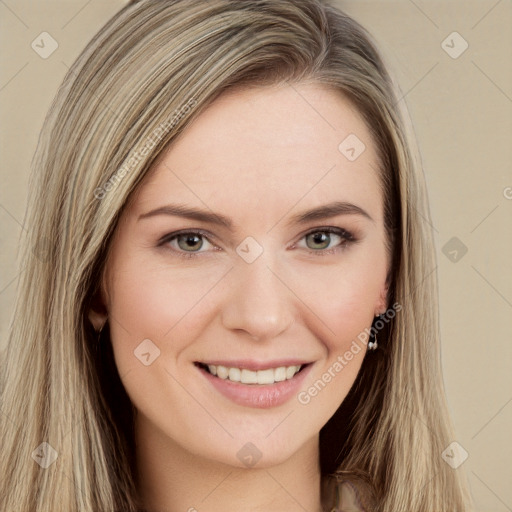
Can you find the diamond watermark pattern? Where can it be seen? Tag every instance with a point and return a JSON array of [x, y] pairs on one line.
[[454, 249], [42, 250], [454, 455], [249, 250], [352, 147], [44, 45], [454, 45], [45, 455], [249, 455], [146, 352]]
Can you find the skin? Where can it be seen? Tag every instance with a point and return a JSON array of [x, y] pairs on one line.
[[258, 156]]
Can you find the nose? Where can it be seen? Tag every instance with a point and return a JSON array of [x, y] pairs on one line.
[[258, 301]]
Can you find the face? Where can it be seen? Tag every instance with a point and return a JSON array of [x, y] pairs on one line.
[[240, 274]]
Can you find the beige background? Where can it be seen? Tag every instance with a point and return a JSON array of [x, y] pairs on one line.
[[461, 108]]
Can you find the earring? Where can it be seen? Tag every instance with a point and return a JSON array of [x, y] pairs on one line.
[[372, 345], [99, 332]]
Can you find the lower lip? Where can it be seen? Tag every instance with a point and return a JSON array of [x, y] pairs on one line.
[[260, 396]]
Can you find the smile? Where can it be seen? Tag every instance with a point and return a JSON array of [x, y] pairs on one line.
[[261, 377], [256, 385]]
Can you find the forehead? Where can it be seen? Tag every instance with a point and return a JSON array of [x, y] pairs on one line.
[[262, 150]]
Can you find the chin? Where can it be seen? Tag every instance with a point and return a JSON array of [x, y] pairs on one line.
[[262, 453]]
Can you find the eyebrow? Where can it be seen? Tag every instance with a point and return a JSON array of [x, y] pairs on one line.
[[189, 213], [329, 210], [318, 213]]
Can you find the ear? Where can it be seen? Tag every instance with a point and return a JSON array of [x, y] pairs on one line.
[[382, 302], [97, 313]]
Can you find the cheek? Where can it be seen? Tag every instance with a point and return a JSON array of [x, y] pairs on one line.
[[343, 311], [148, 300], [344, 298], [155, 310], [151, 297]]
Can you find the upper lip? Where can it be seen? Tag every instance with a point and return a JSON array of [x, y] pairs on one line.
[[255, 365]]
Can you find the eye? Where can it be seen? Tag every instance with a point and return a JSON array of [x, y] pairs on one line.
[[187, 243], [326, 240], [320, 242]]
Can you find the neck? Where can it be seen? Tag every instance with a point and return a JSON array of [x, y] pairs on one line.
[[171, 479]]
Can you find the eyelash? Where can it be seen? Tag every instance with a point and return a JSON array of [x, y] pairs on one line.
[[347, 239]]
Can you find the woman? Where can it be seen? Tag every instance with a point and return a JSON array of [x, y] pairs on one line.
[[228, 300]]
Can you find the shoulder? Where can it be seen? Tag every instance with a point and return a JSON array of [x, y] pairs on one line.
[[350, 494], [349, 498]]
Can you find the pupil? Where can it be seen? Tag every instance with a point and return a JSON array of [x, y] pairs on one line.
[[187, 242], [320, 238]]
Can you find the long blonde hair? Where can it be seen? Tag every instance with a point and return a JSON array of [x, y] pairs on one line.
[[149, 71]]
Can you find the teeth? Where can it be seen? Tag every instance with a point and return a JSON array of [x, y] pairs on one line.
[[280, 373], [234, 374], [291, 371], [249, 377], [222, 372], [266, 376], [269, 376]]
